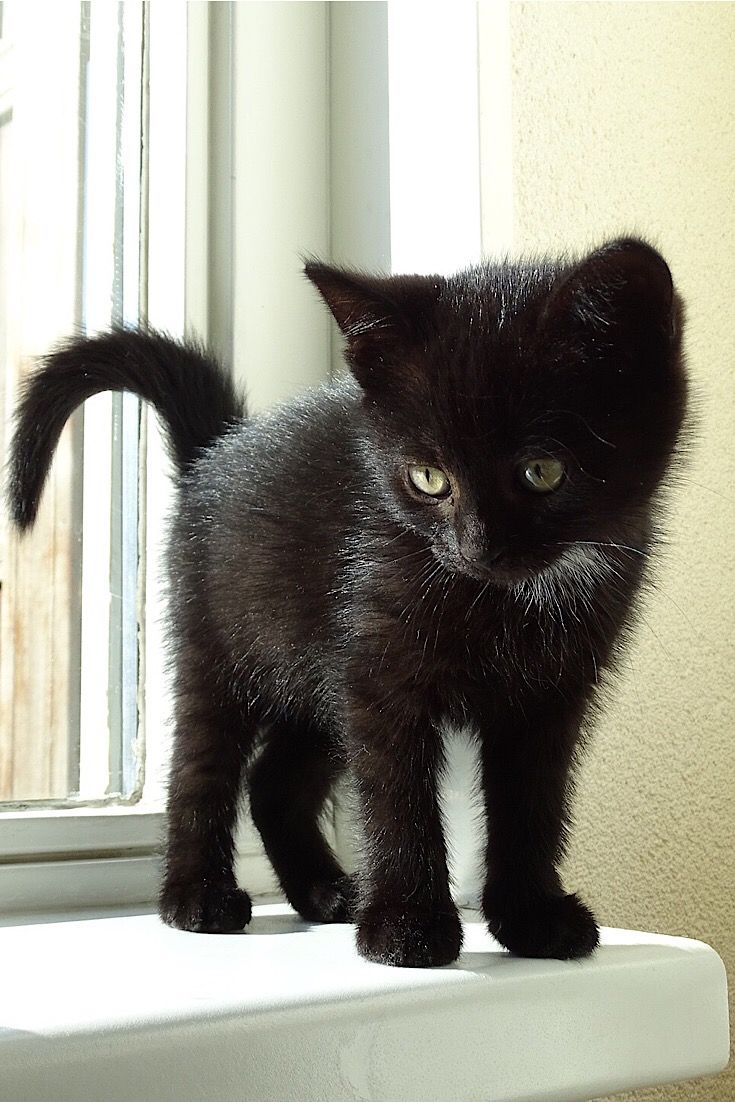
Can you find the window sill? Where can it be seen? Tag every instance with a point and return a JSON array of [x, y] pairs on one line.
[[123, 1007], [79, 830], [64, 861]]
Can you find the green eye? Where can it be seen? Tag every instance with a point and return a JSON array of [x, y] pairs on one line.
[[543, 476], [429, 480]]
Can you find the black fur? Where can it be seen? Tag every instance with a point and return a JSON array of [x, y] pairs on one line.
[[325, 615]]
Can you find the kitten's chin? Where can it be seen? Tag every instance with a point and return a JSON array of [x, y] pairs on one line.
[[505, 574], [505, 577]]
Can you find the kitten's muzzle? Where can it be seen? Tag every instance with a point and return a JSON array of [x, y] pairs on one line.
[[484, 564], [496, 565]]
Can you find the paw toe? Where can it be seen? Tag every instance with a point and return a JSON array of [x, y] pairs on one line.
[[409, 939], [206, 910], [554, 926], [326, 900]]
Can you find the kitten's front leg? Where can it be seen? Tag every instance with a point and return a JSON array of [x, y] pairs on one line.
[[406, 915], [526, 768]]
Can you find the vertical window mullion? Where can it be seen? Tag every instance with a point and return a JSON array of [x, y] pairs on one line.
[[99, 223], [125, 761]]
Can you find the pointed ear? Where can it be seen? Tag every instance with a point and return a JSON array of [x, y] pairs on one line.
[[622, 295], [355, 300], [367, 312]]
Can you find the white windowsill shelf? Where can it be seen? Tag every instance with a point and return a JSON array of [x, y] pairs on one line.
[[123, 1008]]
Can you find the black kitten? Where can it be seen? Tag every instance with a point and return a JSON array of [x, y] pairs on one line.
[[456, 531]]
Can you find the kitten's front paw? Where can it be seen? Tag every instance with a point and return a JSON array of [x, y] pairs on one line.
[[558, 926], [327, 900], [205, 908], [409, 938]]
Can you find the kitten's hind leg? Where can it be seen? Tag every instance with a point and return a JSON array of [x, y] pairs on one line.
[[213, 738], [289, 785]]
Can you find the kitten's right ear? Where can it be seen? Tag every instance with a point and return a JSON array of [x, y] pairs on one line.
[[367, 313]]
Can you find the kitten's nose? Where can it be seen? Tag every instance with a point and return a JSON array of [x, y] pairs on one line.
[[480, 555], [493, 556], [479, 548]]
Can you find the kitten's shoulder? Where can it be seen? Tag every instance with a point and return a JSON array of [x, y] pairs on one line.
[[307, 436], [321, 418]]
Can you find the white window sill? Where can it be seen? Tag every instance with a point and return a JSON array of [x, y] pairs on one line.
[[92, 857], [123, 1008]]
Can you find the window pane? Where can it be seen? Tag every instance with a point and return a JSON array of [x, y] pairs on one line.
[[70, 210], [5, 128], [40, 186]]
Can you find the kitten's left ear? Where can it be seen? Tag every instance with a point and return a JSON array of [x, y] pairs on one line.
[[370, 311], [623, 292]]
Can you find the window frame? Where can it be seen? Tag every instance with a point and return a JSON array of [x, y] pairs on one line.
[[201, 180]]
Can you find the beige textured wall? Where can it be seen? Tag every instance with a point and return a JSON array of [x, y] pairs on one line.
[[623, 119]]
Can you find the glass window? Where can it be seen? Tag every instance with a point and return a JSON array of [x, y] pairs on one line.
[[72, 211]]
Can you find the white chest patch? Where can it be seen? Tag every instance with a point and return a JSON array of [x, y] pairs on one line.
[[462, 812]]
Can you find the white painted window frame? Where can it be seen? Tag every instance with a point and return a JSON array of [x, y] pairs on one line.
[[274, 331]]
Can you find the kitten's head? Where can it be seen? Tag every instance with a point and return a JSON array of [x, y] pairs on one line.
[[515, 412]]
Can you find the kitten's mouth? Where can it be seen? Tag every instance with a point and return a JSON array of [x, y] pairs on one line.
[[502, 571]]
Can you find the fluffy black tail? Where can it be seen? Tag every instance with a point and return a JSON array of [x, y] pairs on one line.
[[193, 395]]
